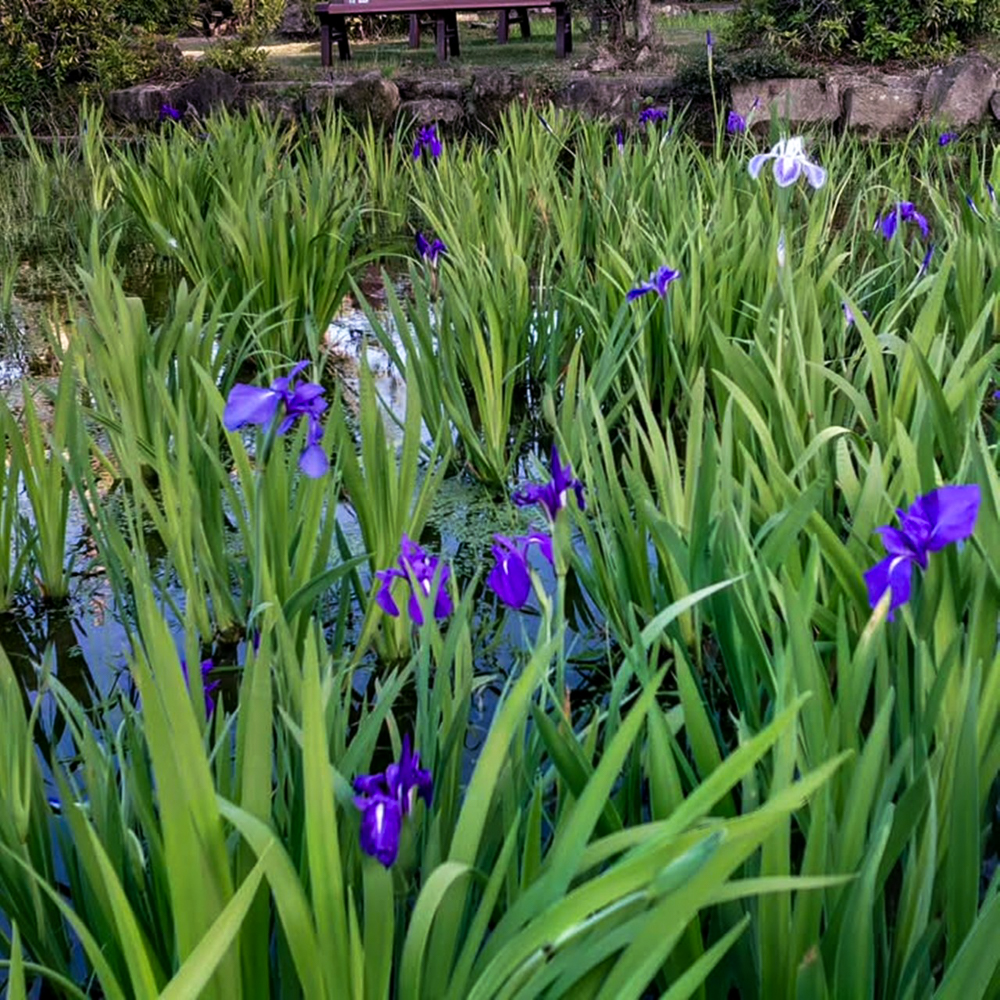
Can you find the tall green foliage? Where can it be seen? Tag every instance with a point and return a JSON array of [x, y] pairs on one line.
[[778, 789], [874, 30]]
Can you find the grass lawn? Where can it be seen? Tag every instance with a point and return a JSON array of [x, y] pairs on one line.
[[299, 60]]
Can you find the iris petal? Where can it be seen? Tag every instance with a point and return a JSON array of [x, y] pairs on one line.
[[757, 163], [787, 171], [951, 511], [248, 404], [313, 462], [815, 174], [893, 572]]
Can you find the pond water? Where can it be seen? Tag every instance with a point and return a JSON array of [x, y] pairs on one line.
[[86, 641]]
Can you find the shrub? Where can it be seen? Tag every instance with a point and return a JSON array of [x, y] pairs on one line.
[[869, 29], [46, 45], [240, 57]]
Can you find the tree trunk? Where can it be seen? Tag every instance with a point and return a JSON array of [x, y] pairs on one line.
[[643, 21]]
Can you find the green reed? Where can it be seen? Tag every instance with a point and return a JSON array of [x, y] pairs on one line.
[[779, 788]]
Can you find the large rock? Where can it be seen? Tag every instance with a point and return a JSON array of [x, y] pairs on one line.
[[415, 88], [430, 110], [881, 102], [370, 96], [278, 97], [598, 96], [319, 97], [141, 103], [959, 93], [490, 93], [799, 102], [203, 93]]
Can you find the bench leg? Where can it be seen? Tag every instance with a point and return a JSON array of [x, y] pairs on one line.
[[502, 27], [325, 49], [414, 31], [441, 36], [453, 33], [564, 31], [521, 16], [340, 31]]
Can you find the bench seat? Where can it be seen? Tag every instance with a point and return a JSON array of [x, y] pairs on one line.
[[442, 14]]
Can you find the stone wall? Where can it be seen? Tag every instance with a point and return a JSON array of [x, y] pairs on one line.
[[957, 95]]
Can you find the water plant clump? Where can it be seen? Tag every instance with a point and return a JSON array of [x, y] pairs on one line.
[[780, 778]]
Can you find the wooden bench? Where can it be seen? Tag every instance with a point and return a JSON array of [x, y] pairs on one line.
[[443, 15]]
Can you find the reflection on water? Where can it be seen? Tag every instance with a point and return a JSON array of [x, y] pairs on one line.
[[86, 644]]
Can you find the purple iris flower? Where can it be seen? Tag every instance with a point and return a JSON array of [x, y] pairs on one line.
[[422, 572], [552, 496], [381, 825], [926, 262], [947, 138], [169, 111], [709, 42], [430, 251], [972, 208], [790, 163], [620, 141], [735, 123], [905, 211], [208, 688], [427, 138], [510, 578], [406, 779], [993, 194], [652, 115], [849, 314], [384, 799], [936, 519], [659, 282], [250, 404]]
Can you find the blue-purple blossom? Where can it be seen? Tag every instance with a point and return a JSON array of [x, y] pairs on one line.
[[904, 211], [939, 518], [659, 282], [553, 495], [947, 138], [510, 578], [207, 688], [709, 42], [849, 314], [381, 825], [620, 141], [385, 798], [250, 404], [790, 163], [430, 250], [406, 779], [735, 123], [168, 111], [926, 262], [648, 115], [992, 193], [972, 208], [427, 138], [424, 573]]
